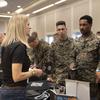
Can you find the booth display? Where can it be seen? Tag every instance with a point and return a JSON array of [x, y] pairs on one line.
[[44, 90]]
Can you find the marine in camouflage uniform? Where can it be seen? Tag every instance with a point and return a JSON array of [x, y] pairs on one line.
[[39, 52], [60, 51], [86, 55]]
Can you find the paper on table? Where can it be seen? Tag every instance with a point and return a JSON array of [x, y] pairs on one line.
[[37, 84]]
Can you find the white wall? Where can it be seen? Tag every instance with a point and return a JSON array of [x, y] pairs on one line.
[[96, 15], [45, 23], [3, 25]]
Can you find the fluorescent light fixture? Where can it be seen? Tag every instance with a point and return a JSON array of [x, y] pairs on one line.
[[42, 9], [18, 6], [3, 3], [8, 12], [58, 2], [5, 16], [19, 10], [27, 14], [46, 7]]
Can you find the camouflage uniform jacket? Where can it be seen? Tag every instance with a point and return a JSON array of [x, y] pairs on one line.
[[86, 57], [59, 53], [39, 54]]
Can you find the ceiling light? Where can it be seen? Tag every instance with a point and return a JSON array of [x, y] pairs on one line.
[[5, 16], [18, 6], [46, 7], [58, 2], [3, 3], [8, 12], [42, 8], [27, 14], [19, 10]]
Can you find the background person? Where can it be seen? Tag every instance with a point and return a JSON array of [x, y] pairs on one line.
[[38, 54]]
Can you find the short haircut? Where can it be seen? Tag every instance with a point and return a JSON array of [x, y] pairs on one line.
[[88, 18], [32, 37], [61, 23]]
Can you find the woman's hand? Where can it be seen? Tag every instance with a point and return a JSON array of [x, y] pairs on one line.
[[36, 72], [72, 66]]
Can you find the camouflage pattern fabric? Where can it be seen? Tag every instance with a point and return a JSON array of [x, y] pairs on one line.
[[39, 54], [60, 59], [86, 57]]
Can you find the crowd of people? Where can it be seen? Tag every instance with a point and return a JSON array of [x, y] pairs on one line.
[[24, 56]]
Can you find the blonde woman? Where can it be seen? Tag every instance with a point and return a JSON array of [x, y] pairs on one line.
[[15, 62]]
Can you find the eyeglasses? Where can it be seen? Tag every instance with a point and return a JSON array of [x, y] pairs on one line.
[[60, 29]]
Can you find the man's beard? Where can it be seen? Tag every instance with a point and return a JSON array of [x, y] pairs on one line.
[[83, 32]]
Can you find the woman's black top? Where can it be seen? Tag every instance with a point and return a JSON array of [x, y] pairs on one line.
[[14, 53]]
